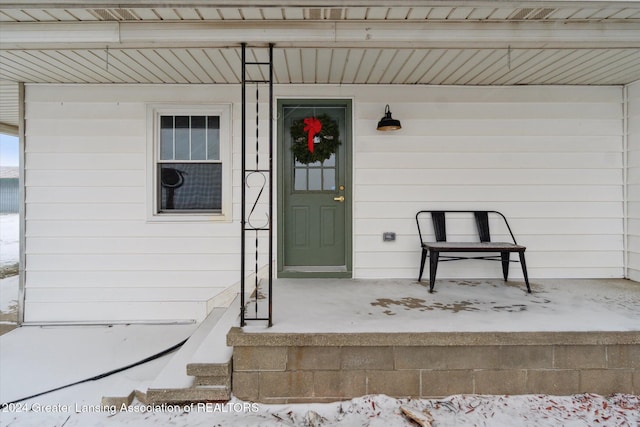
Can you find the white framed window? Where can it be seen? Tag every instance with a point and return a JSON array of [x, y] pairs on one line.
[[190, 167]]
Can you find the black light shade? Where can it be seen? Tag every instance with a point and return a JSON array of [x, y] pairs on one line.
[[388, 123]]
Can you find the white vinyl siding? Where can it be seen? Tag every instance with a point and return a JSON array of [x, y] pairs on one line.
[[549, 158], [92, 254], [633, 180]]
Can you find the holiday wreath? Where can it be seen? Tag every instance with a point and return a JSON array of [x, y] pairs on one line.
[[314, 139]]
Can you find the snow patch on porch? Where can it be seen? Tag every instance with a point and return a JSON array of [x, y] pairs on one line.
[[403, 305]]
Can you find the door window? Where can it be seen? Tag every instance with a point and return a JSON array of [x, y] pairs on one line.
[[317, 176]]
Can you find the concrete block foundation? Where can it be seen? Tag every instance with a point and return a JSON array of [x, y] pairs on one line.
[[311, 367]]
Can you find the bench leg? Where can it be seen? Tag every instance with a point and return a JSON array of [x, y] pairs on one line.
[[524, 271], [505, 264], [433, 266], [422, 261]]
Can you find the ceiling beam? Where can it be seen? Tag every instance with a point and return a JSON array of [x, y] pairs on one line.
[[39, 35]]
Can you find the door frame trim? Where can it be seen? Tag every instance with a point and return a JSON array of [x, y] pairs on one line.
[[348, 193]]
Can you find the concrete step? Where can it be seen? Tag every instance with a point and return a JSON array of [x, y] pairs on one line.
[[223, 380], [174, 374], [213, 357], [202, 372], [193, 394], [211, 374], [209, 369]]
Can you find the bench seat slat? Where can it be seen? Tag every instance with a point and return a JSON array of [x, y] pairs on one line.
[[473, 246]]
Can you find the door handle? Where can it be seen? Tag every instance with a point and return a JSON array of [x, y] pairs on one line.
[[339, 199]]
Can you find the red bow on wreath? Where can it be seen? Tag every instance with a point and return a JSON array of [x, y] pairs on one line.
[[312, 126]]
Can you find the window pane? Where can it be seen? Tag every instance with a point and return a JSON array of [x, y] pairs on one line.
[[315, 179], [198, 138], [300, 180], [213, 138], [191, 186], [166, 138], [182, 138], [329, 179]]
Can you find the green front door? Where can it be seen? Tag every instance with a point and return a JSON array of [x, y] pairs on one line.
[[314, 209]]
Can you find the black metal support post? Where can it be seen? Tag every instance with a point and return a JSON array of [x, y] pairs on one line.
[[258, 299]]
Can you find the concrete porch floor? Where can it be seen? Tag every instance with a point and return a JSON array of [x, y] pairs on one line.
[[457, 305], [339, 339]]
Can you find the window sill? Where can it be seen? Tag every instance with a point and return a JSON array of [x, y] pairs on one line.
[[182, 217]]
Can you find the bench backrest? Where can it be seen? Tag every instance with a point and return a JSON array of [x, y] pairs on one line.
[[438, 218]]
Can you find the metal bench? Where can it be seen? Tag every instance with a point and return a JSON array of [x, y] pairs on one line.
[[433, 249]]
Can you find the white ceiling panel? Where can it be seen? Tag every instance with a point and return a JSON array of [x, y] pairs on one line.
[[475, 61], [460, 13], [129, 66], [588, 63], [324, 61], [231, 14], [287, 14], [625, 14], [596, 11], [500, 14], [491, 64], [339, 60], [15, 15], [325, 65], [187, 14], [439, 13], [209, 14], [228, 67], [603, 71], [209, 73], [395, 64], [165, 14], [350, 69]]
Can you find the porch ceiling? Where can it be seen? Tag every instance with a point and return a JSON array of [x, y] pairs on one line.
[[339, 42]]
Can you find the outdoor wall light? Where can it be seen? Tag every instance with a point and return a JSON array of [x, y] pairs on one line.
[[388, 123]]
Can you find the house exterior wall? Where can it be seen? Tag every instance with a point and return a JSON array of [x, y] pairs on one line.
[[91, 252], [549, 158], [633, 180]]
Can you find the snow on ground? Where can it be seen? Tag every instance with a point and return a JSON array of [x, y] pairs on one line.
[[34, 359], [9, 239], [375, 411], [9, 256], [9, 294]]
